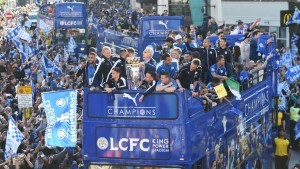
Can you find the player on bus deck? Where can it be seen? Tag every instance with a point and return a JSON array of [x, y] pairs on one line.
[[149, 83], [121, 62], [116, 82], [167, 66], [102, 75], [165, 83], [218, 70], [189, 75]]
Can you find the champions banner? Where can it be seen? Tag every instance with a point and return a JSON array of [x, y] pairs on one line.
[[60, 108]]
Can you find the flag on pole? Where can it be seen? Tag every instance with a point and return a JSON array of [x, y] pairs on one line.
[[43, 26], [13, 139], [19, 45], [60, 108], [47, 65], [220, 90], [72, 45], [24, 35], [50, 67], [234, 88]]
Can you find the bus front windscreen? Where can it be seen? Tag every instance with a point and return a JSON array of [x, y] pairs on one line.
[[63, 35]]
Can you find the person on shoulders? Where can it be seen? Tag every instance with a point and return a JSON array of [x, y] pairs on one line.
[[165, 84]]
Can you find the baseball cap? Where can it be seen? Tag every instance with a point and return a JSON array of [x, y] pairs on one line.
[[169, 39], [240, 21], [178, 37]]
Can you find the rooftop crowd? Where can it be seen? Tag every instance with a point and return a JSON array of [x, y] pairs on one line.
[[191, 64]]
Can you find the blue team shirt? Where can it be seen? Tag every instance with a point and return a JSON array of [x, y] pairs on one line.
[[172, 69], [221, 71]]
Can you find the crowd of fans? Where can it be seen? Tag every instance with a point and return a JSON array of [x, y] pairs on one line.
[[191, 63]]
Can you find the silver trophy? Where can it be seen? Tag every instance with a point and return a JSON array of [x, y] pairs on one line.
[[134, 73]]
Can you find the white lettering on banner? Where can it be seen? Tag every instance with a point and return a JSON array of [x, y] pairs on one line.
[[73, 103], [50, 117], [71, 14], [131, 112], [70, 23], [128, 144], [260, 101], [157, 33], [133, 142]]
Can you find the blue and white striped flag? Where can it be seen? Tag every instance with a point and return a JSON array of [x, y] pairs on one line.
[[24, 35], [43, 25], [13, 139], [72, 45], [23, 56], [12, 33], [47, 65], [60, 108], [19, 45]]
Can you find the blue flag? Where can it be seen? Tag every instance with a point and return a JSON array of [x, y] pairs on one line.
[[43, 25], [60, 108], [19, 45], [47, 65], [292, 74], [13, 139], [261, 45], [12, 33], [286, 59], [72, 45], [295, 18], [297, 130]]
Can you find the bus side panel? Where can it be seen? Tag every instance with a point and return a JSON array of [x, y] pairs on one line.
[[226, 124]]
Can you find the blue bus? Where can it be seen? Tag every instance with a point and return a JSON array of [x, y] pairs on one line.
[[172, 130], [70, 19], [153, 30]]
